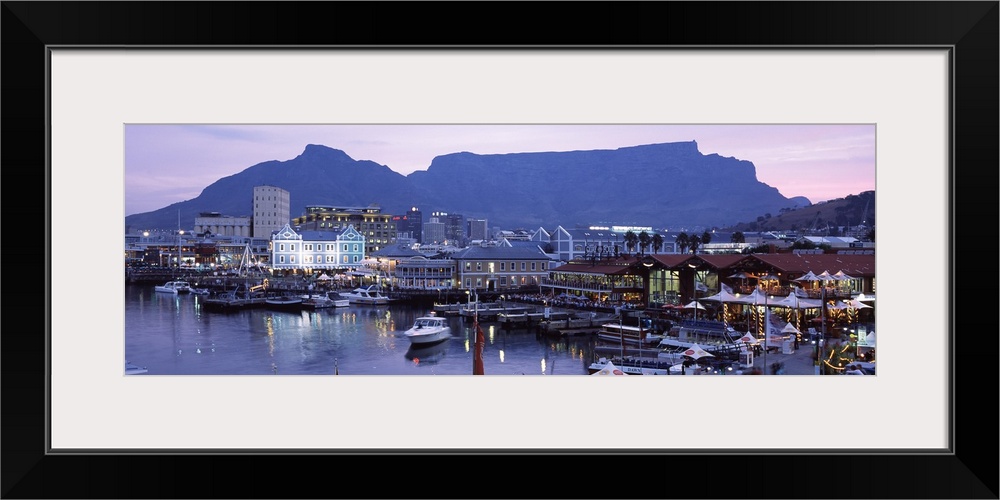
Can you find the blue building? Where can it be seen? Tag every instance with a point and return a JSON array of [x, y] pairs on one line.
[[308, 250]]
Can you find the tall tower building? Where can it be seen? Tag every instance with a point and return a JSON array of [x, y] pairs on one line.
[[454, 227], [411, 222], [271, 210], [478, 229]]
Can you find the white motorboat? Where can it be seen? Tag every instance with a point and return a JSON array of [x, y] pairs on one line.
[[284, 303], [320, 301], [428, 330], [133, 369], [370, 295], [174, 287], [338, 299]]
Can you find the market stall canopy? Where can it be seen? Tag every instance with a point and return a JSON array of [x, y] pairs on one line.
[[749, 339], [696, 352], [790, 328], [722, 296], [694, 304], [758, 297], [609, 369], [324, 277], [742, 275], [840, 276], [808, 277], [793, 301], [825, 276], [857, 304]]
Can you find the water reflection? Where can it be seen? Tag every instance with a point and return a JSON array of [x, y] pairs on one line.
[[431, 354], [174, 335]]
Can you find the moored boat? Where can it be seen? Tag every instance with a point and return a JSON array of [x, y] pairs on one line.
[[175, 287], [370, 295], [317, 301], [134, 369], [284, 303], [629, 335]]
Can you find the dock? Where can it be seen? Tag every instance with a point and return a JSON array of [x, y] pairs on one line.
[[574, 325]]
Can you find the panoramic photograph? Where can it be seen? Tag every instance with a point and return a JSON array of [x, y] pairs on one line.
[[562, 249]]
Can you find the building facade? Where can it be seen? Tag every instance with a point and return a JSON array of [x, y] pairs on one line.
[[307, 250], [378, 228], [271, 210], [411, 222], [478, 229], [216, 224], [490, 267]]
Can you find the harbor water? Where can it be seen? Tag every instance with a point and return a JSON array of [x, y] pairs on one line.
[[174, 335]]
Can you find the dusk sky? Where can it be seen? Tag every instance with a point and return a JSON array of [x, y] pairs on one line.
[[166, 164]]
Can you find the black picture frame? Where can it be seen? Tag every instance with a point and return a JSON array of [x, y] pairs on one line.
[[970, 29]]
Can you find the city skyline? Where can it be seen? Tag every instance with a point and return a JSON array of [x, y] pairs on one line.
[[166, 164]]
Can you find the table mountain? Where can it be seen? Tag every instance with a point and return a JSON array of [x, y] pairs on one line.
[[659, 185]]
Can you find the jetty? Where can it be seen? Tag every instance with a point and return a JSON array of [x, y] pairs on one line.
[[575, 325]]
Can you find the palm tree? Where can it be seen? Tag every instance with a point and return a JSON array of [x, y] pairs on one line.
[[706, 237], [657, 243], [644, 241], [738, 237], [694, 242], [630, 240], [682, 242]]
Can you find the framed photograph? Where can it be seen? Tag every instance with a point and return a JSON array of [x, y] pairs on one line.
[[923, 73]]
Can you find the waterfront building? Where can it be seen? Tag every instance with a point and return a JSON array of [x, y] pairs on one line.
[[599, 241], [293, 250], [608, 281], [271, 210], [216, 224], [378, 228], [497, 267], [409, 269]]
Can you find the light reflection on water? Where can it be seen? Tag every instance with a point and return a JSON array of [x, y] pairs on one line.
[[174, 335]]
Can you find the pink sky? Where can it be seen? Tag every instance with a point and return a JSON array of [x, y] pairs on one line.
[[166, 164]]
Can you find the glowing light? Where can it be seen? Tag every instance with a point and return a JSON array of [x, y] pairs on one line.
[[501, 356]]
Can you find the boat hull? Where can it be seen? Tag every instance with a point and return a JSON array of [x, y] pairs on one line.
[[429, 338]]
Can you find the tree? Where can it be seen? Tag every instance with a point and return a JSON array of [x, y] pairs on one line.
[[738, 237], [630, 240], [694, 242], [657, 243], [682, 242], [706, 237], [644, 241], [871, 235]]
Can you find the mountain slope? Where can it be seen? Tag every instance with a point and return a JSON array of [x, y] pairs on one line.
[[652, 185]]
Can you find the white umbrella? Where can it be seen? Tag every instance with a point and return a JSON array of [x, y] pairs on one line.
[[808, 277], [325, 277], [857, 304], [696, 352], [722, 296], [790, 328], [694, 304], [609, 369], [840, 276]]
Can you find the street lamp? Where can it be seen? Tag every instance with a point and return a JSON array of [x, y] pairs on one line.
[[694, 289], [648, 262]]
